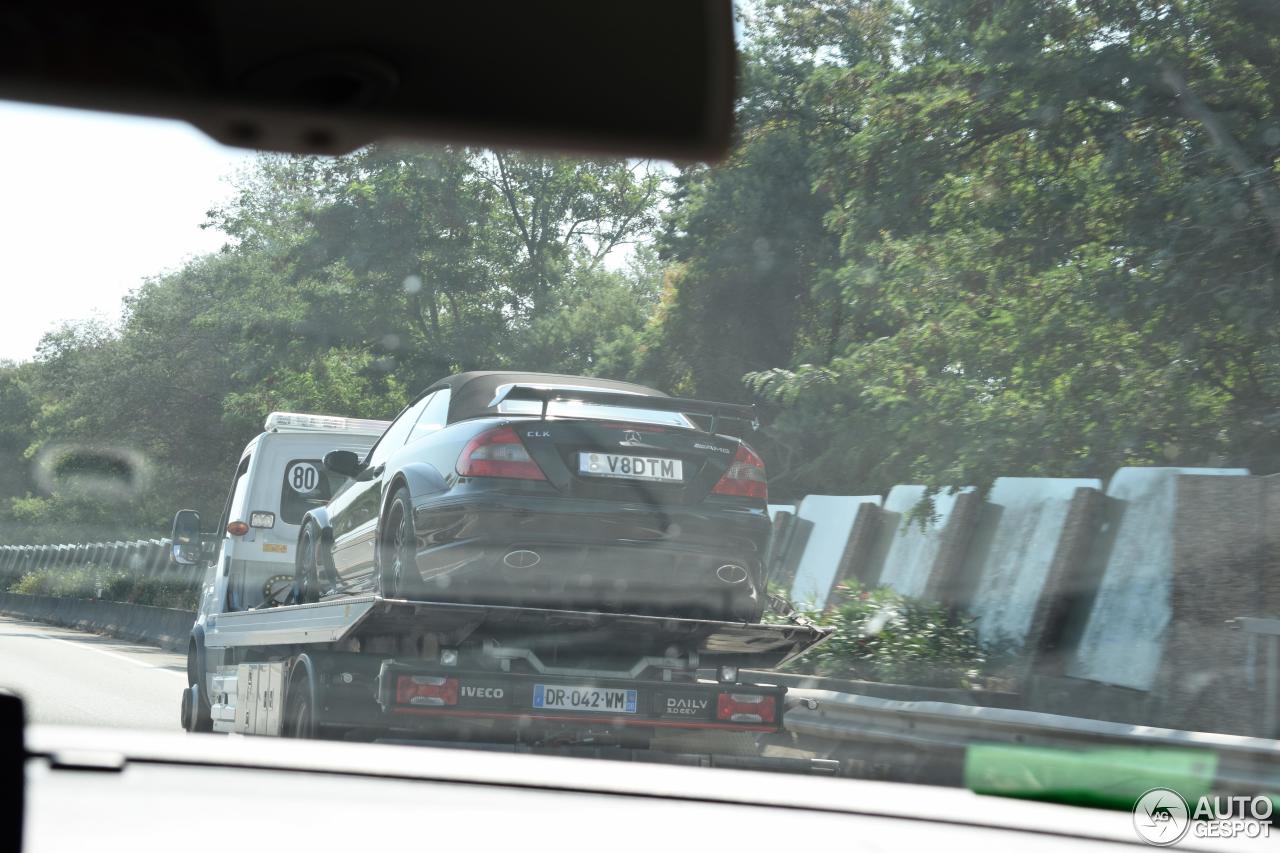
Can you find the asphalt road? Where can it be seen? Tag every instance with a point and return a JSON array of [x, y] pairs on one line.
[[72, 678]]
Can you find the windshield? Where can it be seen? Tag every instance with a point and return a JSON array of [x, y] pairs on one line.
[[1002, 282]]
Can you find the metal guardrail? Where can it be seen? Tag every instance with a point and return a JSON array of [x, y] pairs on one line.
[[143, 558], [835, 720]]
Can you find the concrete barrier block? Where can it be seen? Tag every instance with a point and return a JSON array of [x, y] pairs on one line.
[[774, 509], [907, 550], [794, 532], [1226, 564], [1123, 639], [832, 517], [855, 562], [1017, 535], [160, 626], [1070, 585], [947, 581], [779, 531]]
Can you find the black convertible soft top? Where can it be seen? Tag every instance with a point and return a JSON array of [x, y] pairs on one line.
[[473, 392]]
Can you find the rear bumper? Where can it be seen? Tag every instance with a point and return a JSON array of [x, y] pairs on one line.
[[509, 701], [538, 551]]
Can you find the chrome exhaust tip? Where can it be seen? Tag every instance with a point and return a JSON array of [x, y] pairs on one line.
[[521, 559], [731, 574]]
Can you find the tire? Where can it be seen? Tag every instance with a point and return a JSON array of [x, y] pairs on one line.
[[396, 573], [300, 701], [197, 716], [306, 565]]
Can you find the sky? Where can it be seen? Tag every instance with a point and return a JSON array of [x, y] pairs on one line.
[[91, 205]]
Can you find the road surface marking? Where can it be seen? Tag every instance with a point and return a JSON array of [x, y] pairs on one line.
[[101, 652]]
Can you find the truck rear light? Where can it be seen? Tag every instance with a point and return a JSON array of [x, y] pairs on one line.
[[432, 691], [746, 708], [745, 477], [498, 453]]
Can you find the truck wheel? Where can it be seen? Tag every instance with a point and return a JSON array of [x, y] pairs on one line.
[[300, 701], [197, 716], [306, 572], [397, 575], [195, 711]]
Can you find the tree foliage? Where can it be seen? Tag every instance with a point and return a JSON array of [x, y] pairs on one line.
[[346, 285], [1056, 227]]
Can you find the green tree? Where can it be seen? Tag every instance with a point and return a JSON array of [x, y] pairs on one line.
[[1056, 237], [18, 406], [346, 285]]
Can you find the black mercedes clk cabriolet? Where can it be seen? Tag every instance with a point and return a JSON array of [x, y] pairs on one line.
[[540, 490]]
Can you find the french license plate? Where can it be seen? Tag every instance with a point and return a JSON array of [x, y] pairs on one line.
[[569, 697], [631, 467]]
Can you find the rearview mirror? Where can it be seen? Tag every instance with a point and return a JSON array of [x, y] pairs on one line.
[[643, 79], [185, 536], [342, 462]]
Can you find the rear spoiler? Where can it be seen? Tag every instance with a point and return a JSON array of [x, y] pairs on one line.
[[544, 394]]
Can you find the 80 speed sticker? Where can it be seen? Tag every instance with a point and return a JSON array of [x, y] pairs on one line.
[[303, 477]]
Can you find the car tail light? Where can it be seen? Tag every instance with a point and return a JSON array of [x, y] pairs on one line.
[[745, 477], [498, 453], [746, 708], [432, 691]]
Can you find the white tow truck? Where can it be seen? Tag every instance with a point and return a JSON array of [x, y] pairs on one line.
[[368, 668]]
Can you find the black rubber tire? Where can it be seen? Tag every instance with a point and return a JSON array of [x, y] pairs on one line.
[[306, 565], [300, 701], [197, 716], [396, 573]]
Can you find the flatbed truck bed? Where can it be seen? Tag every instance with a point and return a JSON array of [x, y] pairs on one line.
[[366, 667]]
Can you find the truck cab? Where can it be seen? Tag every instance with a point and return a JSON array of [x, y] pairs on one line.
[[249, 555]]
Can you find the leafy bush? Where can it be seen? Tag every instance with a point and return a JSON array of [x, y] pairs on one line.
[[78, 582], [109, 585], [882, 635]]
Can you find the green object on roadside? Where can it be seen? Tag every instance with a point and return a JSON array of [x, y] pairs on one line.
[[1111, 778]]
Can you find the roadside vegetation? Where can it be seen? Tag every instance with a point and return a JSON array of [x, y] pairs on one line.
[[109, 585], [884, 636]]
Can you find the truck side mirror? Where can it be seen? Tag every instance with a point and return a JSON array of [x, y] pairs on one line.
[[185, 536], [342, 462]]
